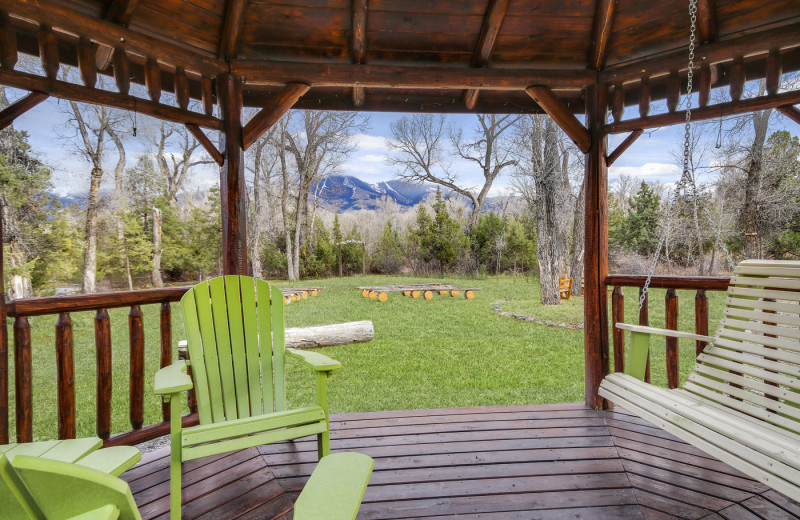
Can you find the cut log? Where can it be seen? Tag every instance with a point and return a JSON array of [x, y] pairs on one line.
[[328, 335]]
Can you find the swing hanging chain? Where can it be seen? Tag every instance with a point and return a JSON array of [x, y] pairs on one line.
[[685, 176]]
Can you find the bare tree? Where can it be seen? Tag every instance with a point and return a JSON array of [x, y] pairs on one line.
[[262, 163], [542, 176], [121, 200], [418, 142]]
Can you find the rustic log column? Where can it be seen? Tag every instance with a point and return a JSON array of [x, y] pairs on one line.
[[166, 348], [102, 342], [3, 336], [671, 304], [136, 381], [618, 313], [700, 318], [23, 379], [65, 374], [596, 244], [232, 188]]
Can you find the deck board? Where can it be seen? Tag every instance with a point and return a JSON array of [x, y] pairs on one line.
[[548, 462]]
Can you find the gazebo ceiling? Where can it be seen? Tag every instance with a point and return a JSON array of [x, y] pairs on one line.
[[415, 55]]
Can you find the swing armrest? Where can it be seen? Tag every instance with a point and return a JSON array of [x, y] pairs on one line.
[[641, 329]]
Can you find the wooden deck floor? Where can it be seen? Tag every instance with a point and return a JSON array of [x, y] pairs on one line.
[[544, 462]]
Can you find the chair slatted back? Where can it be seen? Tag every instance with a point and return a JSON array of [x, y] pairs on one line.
[[235, 333], [753, 365]]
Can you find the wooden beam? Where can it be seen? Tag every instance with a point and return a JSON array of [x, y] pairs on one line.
[[8, 42], [773, 72], [48, 51], [714, 52], [595, 332], [708, 112], [603, 18], [556, 109], [279, 73], [119, 12], [58, 14], [19, 107], [492, 23], [624, 145], [706, 21], [64, 90], [268, 115], [203, 139], [234, 19], [86, 62], [232, 185], [359, 45], [791, 112]]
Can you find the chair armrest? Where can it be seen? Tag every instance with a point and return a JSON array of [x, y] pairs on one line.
[[664, 332], [172, 379], [319, 362], [336, 487], [106, 512]]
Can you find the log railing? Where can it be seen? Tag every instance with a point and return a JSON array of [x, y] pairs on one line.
[[700, 284], [62, 306]]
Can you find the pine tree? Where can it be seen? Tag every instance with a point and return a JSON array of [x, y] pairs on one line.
[[445, 240], [388, 257], [640, 230]]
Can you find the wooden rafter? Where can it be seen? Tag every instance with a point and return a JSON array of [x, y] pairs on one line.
[[58, 15], [708, 53], [396, 76], [624, 145], [19, 107], [359, 44], [492, 23], [119, 12], [791, 112], [708, 112], [71, 91], [556, 109], [603, 19], [206, 143], [234, 19], [706, 21], [268, 115]]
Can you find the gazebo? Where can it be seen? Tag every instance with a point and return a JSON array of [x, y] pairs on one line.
[[565, 58]]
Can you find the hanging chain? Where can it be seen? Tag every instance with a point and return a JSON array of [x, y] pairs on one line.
[[686, 177]]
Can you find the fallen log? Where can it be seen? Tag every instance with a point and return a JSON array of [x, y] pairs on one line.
[[329, 335]]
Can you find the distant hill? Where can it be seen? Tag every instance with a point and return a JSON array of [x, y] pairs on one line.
[[343, 192]]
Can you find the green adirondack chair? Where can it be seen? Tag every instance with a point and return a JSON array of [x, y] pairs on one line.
[[235, 335], [42, 489]]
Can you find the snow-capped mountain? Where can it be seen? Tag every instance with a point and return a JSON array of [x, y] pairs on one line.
[[343, 192]]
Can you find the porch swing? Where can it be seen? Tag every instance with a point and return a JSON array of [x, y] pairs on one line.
[[741, 403]]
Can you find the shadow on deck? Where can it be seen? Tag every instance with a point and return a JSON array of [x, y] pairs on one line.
[[512, 462]]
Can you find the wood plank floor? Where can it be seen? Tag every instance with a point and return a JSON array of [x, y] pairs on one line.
[[522, 462]]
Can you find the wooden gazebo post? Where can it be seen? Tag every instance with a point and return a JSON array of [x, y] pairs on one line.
[[232, 187], [596, 245]]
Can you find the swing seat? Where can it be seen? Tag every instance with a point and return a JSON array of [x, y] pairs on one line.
[[741, 403]]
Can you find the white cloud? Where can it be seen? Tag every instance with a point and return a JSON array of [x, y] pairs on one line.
[[372, 158], [355, 169], [653, 170], [369, 142]]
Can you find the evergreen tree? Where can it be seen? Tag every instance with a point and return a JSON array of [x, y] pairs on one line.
[[388, 257], [488, 241], [445, 239], [640, 230]]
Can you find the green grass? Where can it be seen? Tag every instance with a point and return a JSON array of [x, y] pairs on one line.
[[442, 353]]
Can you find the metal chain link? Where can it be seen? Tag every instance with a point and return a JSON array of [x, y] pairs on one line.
[[685, 176]]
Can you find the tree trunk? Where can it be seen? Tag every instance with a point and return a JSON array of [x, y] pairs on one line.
[[121, 202], [90, 255], [328, 335], [552, 222], [576, 262], [156, 272], [752, 243]]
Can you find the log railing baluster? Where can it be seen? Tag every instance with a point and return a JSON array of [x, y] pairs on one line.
[[207, 96], [644, 97], [65, 374], [644, 319], [87, 63], [102, 340], [22, 379], [671, 304], [618, 316], [166, 348], [700, 318], [673, 91], [48, 51], [122, 73], [136, 383]]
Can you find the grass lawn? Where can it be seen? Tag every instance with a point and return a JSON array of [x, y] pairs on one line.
[[442, 353]]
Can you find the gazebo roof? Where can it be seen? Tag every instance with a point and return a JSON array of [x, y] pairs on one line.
[[413, 55]]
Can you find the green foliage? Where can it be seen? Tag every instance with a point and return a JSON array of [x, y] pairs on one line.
[[640, 230], [388, 257], [320, 256], [488, 241], [520, 248], [353, 253], [204, 237], [443, 239]]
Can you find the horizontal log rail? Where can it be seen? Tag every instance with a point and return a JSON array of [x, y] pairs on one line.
[[700, 284], [61, 307]]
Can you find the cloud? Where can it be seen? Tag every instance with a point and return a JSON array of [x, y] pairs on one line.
[[372, 158], [356, 169], [653, 170], [369, 142]]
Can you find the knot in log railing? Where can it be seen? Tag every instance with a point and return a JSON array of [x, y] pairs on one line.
[[62, 306], [700, 284]]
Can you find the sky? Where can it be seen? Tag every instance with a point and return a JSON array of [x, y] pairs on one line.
[[651, 157]]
